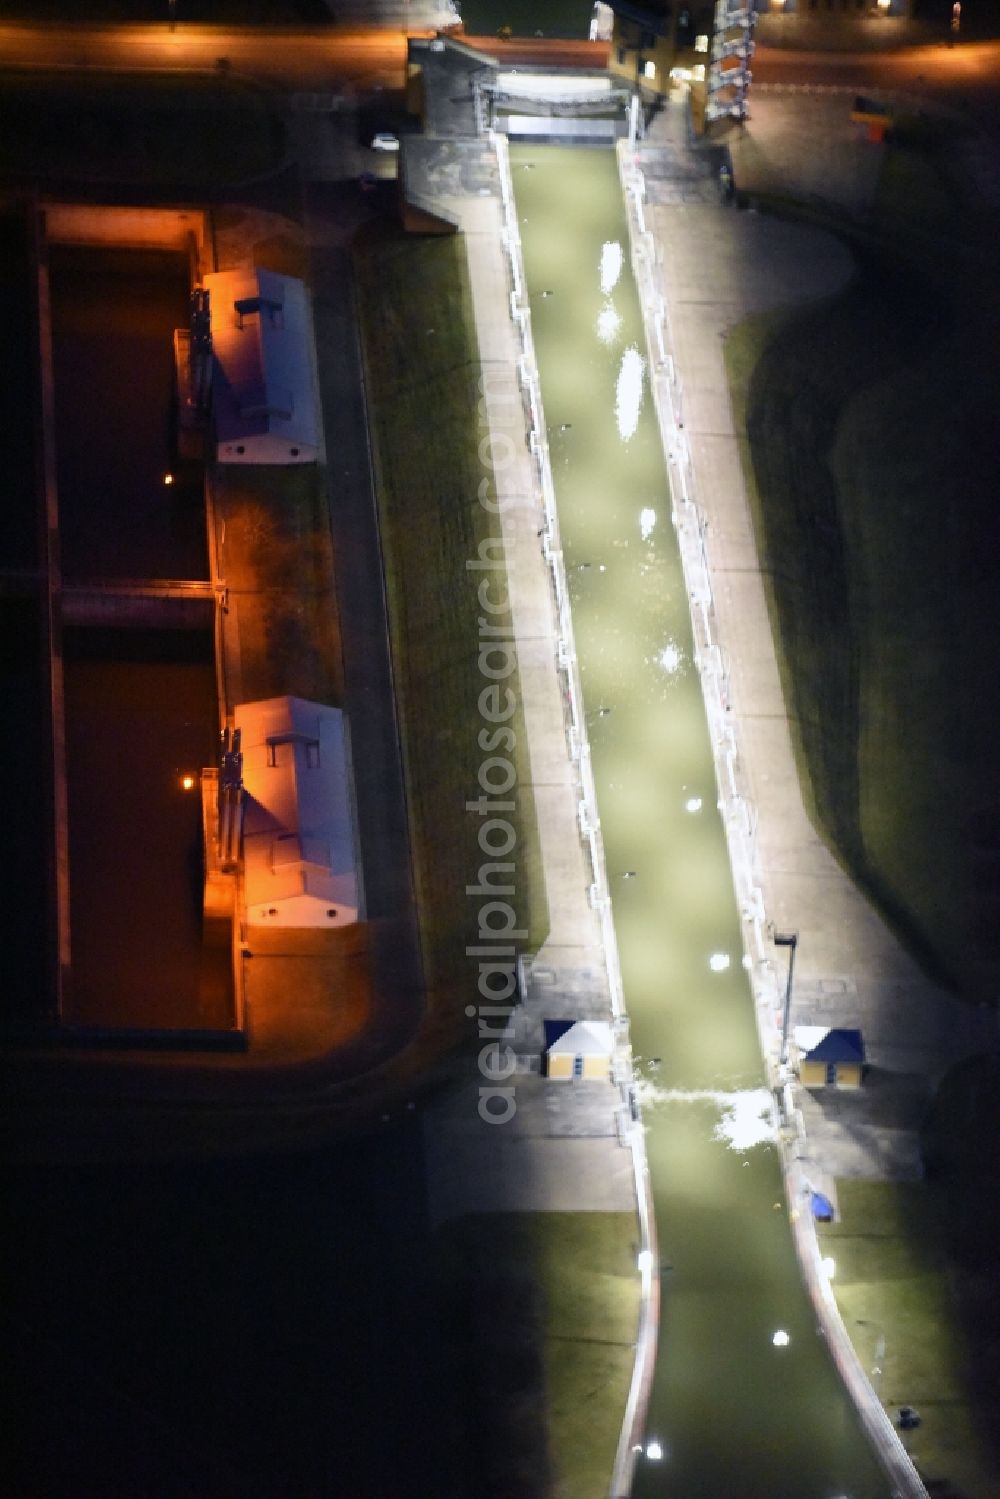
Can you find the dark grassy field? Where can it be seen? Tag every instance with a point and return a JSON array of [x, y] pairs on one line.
[[160, 129], [423, 387], [896, 1296], [962, 1155], [541, 1321], [869, 425], [240, 1330]]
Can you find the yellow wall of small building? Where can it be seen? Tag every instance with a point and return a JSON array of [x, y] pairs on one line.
[[560, 1067], [813, 1075]]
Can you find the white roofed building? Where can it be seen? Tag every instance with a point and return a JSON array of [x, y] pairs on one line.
[[264, 397], [300, 861]]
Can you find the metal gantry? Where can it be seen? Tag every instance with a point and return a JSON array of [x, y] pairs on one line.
[[732, 48]]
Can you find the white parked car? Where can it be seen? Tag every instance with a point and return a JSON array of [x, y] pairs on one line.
[[383, 141]]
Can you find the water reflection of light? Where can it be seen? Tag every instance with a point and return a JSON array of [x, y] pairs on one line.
[[693, 804], [746, 1117], [647, 520], [747, 1120], [611, 265], [719, 962], [608, 323], [628, 392], [671, 658], [654, 1450], [781, 1338]]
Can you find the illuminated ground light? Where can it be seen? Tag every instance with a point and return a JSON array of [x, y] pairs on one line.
[[628, 393], [654, 1451], [608, 323], [719, 962], [187, 782], [693, 804], [781, 1338], [647, 520]]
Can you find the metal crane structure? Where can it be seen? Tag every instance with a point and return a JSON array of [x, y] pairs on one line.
[[729, 73]]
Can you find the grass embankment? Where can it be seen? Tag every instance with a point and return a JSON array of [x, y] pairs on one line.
[[423, 373], [158, 129], [542, 1312], [893, 1290], [962, 1153], [867, 423]]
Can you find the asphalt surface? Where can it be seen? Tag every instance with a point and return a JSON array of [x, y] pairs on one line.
[[359, 61], [288, 58], [937, 70]]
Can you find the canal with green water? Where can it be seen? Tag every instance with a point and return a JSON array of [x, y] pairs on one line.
[[732, 1413]]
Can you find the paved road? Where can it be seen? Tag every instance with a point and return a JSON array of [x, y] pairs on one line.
[[292, 59], [287, 58], [939, 72], [367, 59]]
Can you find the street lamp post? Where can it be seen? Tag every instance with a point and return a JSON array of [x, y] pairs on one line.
[[791, 941]]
